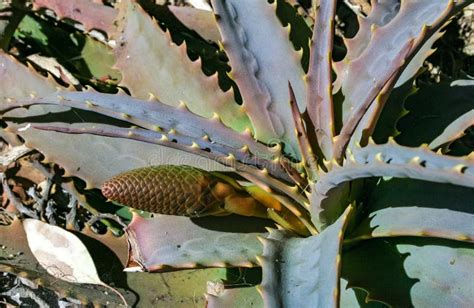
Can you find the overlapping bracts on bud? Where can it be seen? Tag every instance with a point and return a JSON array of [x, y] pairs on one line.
[[171, 190]]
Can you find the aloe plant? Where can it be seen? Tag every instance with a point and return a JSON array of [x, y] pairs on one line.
[[361, 206]]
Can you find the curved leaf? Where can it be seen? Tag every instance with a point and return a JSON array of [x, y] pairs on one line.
[[413, 25], [446, 212], [152, 115], [73, 153], [394, 161], [407, 24]]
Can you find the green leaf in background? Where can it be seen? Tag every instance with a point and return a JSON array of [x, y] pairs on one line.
[[87, 59]]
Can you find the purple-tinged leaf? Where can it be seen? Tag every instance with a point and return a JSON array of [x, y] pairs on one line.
[[379, 88], [416, 62], [263, 62], [382, 12], [86, 12], [200, 147], [32, 84], [152, 115], [166, 241], [319, 78], [367, 124], [74, 152], [116, 103], [308, 158], [391, 47], [381, 43], [298, 271], [146, 55]]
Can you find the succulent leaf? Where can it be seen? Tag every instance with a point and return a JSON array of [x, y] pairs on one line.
[[201, 21], [443, 213], [308, 158], [200, 147], [148, 114], [304, 158], [261, 78], [381, 119], [454, 130], [419, 58], [395, 161], [414, 24], [152, 115], [142, 44], [387, 47], [382, 12], [32, 83], [179, 242], [392, 112], [433, 272], [319, 78], [286, 267], [300, 32], [69, 151]]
